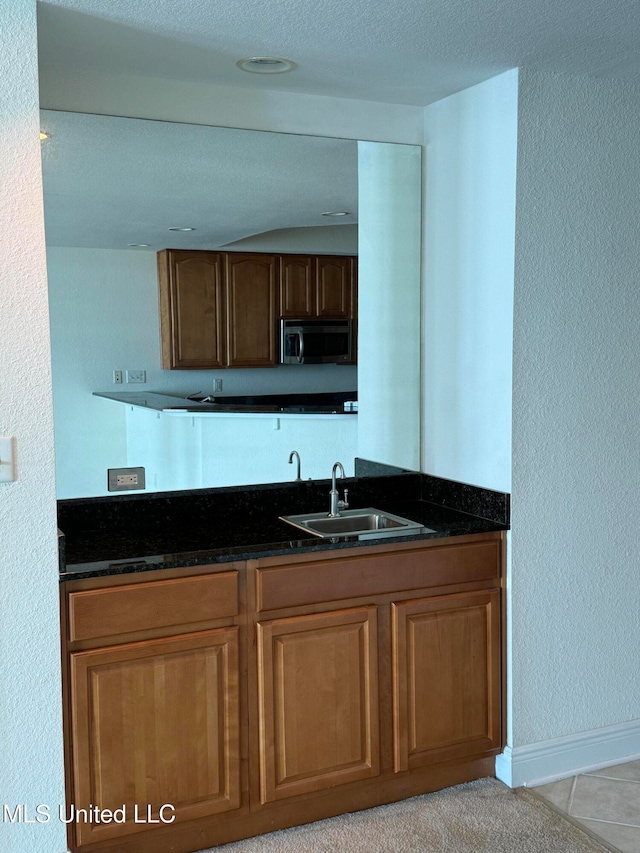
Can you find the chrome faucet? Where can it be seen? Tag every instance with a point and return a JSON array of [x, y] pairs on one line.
[[337, 505], [297, 455]]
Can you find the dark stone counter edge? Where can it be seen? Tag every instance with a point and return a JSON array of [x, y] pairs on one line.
[[311, 544], [157, 402]]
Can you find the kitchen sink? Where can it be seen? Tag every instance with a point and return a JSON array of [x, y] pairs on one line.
[[354, 522]]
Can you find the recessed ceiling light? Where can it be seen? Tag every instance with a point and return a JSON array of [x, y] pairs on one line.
[[44, 135], [266, 65], [336, 213], [176, 228], [138, 245]]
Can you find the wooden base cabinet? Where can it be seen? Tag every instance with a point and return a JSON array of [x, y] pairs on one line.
[[318, 688], [156, 724], [446, 678], [266, 694]]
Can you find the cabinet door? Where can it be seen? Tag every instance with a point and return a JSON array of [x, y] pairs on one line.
[[334, 286], [318, 695], [446, 678], [252, 310], [297, 286], [153, 723], [191, 309]]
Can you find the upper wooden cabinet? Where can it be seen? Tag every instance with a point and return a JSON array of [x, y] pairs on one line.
[[217, 309], [191, 310], [317, 286], [297, 286], [251, 310], [221, 309], [334, 278]]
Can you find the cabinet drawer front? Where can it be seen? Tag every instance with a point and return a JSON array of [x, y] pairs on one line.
[[157, 604], [333, 580]]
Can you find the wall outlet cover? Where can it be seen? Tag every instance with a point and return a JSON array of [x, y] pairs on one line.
[[125, 479], [136, 377]]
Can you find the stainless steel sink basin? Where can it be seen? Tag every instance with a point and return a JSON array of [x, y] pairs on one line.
[[354, 522]]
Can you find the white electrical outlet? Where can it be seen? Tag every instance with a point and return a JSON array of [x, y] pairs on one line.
[[123, 479], [127, 480], [217, 385], [118, 377], [136, 377]]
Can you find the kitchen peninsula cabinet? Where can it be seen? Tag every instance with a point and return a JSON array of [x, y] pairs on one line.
[[221, 309], [268, 693]]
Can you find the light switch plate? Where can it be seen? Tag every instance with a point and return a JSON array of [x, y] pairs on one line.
[[7, 459]]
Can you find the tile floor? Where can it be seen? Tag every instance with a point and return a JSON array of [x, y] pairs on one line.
[[606, 802]]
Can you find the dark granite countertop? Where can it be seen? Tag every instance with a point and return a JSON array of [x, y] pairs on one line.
[[132, 533], [273, 404]]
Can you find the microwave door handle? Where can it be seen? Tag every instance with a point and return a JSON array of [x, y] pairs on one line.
[[301, 348]]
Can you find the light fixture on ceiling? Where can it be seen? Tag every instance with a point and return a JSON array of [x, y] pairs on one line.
[[139, 245], [178, 228], [266, 65], [336, 213]]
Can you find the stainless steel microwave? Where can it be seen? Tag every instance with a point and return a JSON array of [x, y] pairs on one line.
[[315, 341]]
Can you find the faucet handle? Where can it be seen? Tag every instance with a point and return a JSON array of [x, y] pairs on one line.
[[344, 504]]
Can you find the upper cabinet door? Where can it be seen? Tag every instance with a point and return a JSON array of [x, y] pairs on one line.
[[191, 309], [297, 286], [334, 276], [252, 309]]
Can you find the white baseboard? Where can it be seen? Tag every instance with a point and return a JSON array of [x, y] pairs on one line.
[[550, 760]]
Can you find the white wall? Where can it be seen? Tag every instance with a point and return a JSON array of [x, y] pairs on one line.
[[390, 239], [469, 228], [576, 430], [104, 316], [184, 452], [30, 705]]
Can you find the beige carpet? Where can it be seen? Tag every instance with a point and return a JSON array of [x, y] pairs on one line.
[[479, 817]]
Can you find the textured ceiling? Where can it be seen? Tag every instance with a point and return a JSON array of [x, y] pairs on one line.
[[112, 181], [406, 52]]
